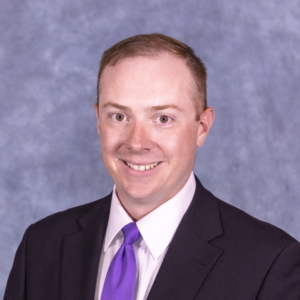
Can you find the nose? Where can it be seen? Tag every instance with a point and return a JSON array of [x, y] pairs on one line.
[[139, 139]]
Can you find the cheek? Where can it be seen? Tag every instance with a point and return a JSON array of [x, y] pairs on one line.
[[108, 142], [180, 144]]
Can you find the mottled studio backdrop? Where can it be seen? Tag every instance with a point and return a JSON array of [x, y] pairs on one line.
[[49, 147]]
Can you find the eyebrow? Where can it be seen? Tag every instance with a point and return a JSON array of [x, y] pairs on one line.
[[162, 107], [126, 108], [116, 105]]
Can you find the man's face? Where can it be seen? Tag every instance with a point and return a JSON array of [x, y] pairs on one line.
[[147, 127]]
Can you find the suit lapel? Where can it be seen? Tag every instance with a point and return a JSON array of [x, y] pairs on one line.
[[81, 254], [190, 256]]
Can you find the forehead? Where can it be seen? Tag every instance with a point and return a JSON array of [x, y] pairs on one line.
[[160, 74]]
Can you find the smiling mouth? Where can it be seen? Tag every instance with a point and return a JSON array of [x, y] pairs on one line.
[[141, 167]]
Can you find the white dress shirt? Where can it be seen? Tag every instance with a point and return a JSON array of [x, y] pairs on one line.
[[157, 229]]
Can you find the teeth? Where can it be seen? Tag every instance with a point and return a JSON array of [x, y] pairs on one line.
[[141, 168]]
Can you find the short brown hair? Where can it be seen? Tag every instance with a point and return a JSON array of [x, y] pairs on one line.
[[151, 45]]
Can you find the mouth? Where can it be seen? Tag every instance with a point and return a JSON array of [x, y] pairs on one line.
[[141, 167]]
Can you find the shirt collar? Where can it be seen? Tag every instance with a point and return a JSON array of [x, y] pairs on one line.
[[159, 226]]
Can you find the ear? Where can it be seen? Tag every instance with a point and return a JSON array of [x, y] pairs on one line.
[[97, 115], [206, 120]]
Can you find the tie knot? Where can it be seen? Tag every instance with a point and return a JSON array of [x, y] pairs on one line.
[[131, 233]]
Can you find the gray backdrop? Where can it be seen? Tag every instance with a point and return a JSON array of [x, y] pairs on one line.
[[49, 147]]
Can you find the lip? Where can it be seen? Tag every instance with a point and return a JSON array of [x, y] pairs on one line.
[[140, 164], [137, 173]]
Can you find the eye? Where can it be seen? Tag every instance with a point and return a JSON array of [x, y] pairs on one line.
[[164, 119], [119, 117]]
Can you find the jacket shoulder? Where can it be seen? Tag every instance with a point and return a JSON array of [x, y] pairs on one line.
[[255, 255], [238, 223], [66, 222]]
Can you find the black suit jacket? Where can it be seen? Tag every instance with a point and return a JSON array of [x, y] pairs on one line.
[[218, 252]]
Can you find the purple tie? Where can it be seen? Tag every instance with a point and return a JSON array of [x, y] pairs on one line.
[[121, 276]]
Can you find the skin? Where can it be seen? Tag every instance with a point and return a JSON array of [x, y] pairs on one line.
[[146, 114]]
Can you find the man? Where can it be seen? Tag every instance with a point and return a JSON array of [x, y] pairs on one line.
[[160, 234]]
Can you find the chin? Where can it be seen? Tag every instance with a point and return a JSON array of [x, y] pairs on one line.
[[139, 190]]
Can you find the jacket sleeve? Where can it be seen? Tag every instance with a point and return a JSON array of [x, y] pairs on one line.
[[16, 283], [283, 279]]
